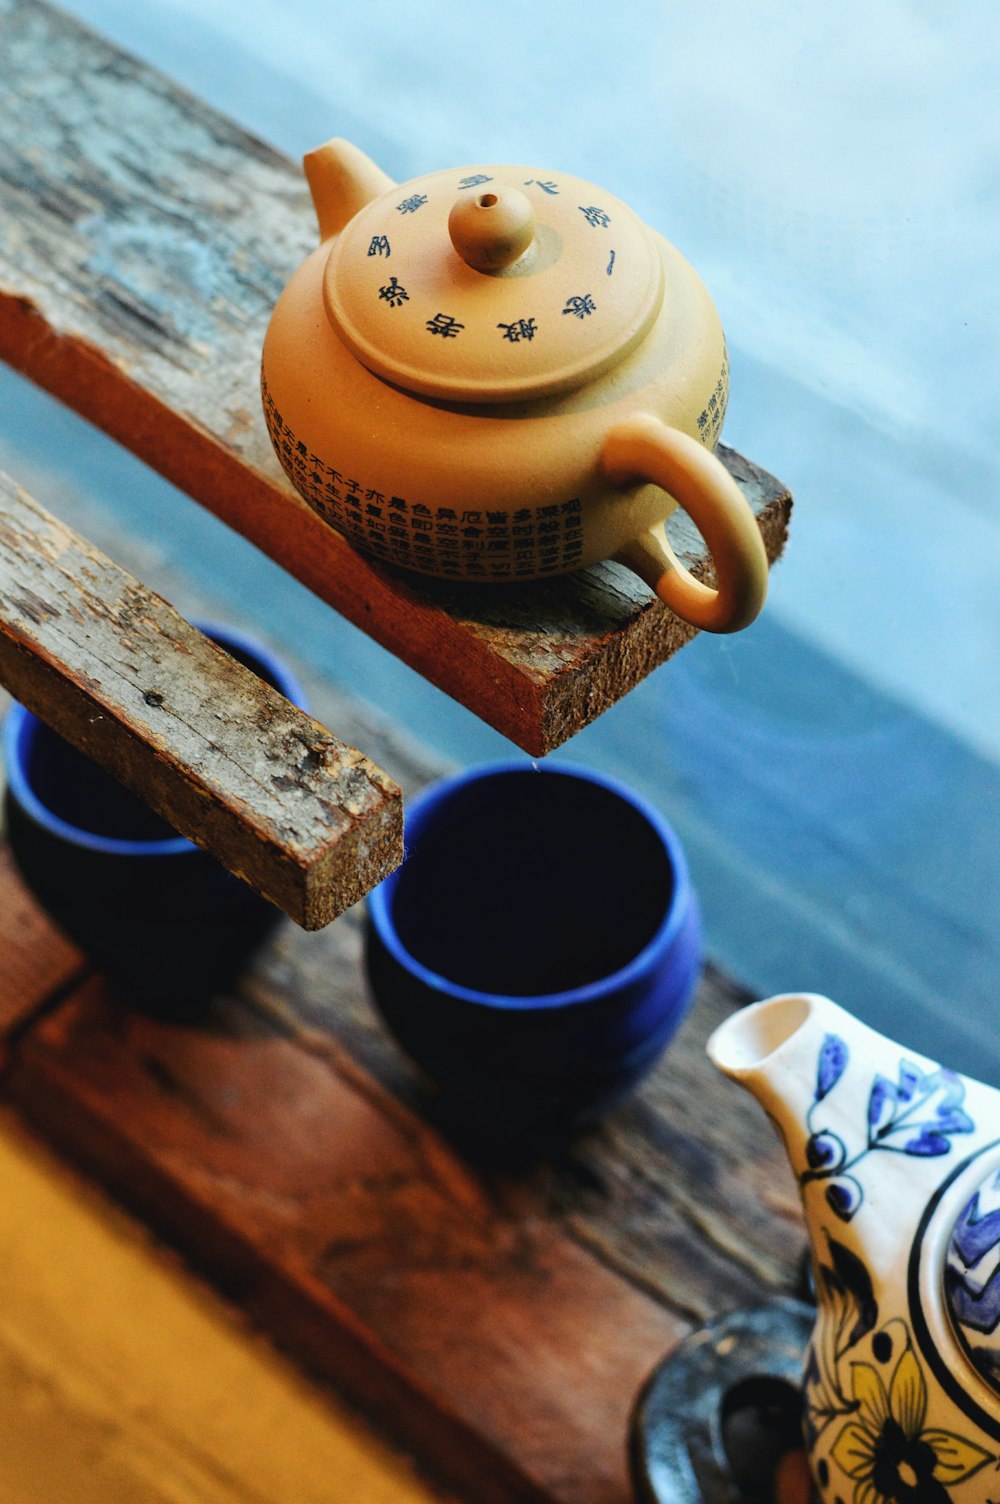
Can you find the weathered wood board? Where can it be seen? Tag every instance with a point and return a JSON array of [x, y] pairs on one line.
[[308, 821], [36, 960], [143, 242], [497, 1319]]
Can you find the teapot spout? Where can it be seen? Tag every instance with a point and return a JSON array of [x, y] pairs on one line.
[[341, 180]]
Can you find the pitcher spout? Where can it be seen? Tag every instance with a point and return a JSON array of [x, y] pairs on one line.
[[782, 1051], [865, 1122], [743, 1046]]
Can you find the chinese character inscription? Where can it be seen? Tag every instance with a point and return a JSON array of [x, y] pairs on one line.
[[445, 325], [580, 306], [520, 329], [394, 293]]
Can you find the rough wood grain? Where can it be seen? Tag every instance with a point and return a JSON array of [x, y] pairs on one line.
[[684, 1190], [306, 820], [143, 242], [36, 961]]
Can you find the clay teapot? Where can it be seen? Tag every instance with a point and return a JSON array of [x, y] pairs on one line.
[[898, 1163], [502, 374]]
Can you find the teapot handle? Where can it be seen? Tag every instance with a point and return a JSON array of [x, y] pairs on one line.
[[645, 449]]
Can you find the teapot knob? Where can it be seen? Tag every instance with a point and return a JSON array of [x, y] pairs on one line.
[[492, 230]]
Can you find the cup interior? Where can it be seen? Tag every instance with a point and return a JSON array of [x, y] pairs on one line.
[[80, 793], [522, 883]]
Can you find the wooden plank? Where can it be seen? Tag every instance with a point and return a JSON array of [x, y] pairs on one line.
[[36, 960], [308, 821], [684, 1190], [500, 1318], [143, 242]]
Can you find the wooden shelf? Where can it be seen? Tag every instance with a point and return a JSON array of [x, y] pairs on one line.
[[305, 819], [143, 242]]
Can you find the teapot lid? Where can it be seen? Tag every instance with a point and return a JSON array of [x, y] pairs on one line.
[[493, 284], [972, 1279]]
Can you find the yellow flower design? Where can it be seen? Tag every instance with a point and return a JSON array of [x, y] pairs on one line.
[[885, 1448]]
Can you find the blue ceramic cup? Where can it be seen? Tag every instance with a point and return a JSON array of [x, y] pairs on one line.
[[161, 916], [538, 947]]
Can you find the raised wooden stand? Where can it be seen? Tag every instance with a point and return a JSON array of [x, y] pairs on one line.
[[497, 1319], [143, 242]]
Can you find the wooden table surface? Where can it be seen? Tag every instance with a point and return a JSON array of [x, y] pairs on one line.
[[496, 1321]]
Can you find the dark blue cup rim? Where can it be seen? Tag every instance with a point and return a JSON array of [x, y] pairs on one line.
[[19, 730], [422, 808]]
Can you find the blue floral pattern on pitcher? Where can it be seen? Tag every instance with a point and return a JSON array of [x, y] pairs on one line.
[[917, 1114]]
